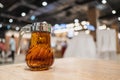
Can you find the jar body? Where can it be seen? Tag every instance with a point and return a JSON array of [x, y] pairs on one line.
[[40, 55]]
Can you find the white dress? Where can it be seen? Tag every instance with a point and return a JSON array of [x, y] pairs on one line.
[[106, 44], [82, 46]]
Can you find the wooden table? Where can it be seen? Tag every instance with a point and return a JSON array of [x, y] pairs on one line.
[[65, 69]]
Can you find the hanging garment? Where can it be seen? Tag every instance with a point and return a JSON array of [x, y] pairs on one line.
[[82, 46], [106, 44]]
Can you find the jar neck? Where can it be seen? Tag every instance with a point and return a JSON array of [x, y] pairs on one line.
[[41, 38]]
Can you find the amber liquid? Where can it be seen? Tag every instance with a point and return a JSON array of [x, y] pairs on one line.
[[40, 55]]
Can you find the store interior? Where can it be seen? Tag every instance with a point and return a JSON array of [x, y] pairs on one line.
[[79, 28]]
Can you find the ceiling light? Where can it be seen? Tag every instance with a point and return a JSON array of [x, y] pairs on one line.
[[77, 24], [10, 20], [32, 17], [69, 26], [8, 26], [23, 14], [76, 20], [83, 22], [108, 28], [1, 5], [118, 18], [87, 31], [0, 25], [104, 1], [113, 11], [56, 25], [78, 28], [17, 28], [119, 35], [102, 27], [44, 3], [85, 27], [44, 22]]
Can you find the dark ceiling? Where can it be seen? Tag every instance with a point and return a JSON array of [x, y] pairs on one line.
[[57, 11]]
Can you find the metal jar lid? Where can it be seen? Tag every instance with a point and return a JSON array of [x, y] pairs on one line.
[[41, 26]]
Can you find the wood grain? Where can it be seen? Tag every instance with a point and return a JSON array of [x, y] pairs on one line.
[[65, 69]]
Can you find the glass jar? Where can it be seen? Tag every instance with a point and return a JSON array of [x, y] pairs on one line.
[[39, 55]]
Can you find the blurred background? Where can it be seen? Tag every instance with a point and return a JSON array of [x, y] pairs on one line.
[[80, 28]]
